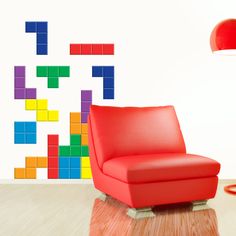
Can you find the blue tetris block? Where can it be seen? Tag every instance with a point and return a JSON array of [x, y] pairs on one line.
[[64, 173], [19, 127], [75, 173], [108, 82], [19, 138], [42, 38], [42, 26], [42, 49], [97, 71], [30, 127], [30, 27], [64, 162], [108, 93], [75, 162], [108, 71], [30, 138]]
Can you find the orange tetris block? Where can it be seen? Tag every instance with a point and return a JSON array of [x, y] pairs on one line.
[[84, 128], [75, 117], [30, 173], [75, 128], [84, 140], [19, 173], [42, 162], [31, 162]]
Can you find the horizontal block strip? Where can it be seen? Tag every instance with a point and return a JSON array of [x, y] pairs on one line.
[[92, 49]]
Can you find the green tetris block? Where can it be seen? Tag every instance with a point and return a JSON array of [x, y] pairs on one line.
[[64, 150], [64, 71], [75, 139], [84, 151], [53, 82], [53, 71], [42, 71], [75, 150]]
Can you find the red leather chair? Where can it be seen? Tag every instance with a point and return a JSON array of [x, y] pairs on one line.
[[138, 156]]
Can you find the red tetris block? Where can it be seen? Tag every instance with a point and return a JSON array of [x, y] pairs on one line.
[[75, 49], [53, 140], [53, 163], [52, 151], [52, 173], [97, 49], [108, 49], [86, 49]]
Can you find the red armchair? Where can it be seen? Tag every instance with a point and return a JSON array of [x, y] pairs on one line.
[[138, 156]]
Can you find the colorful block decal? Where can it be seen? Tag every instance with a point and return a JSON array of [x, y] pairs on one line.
[[68, 160]]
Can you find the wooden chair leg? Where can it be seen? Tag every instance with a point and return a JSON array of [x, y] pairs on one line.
[[103, 197], [139, 213], [200, 205]]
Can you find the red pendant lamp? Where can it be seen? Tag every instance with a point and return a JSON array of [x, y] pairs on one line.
[[223, 38], [223, 41]]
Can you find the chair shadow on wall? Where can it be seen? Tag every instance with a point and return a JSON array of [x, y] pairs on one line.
[[109, 218]]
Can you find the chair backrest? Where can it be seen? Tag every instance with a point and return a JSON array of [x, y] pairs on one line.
[[124, 131]]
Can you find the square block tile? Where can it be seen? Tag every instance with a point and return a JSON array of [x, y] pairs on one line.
[[84, 139], [84, 128], [19, 82], [86, 49], [53, 151], [75, 150], [85, 162], [30, 127], [64, 173], [30, 93], [64, 162], [30, 173], [75, 128], [42, 71], [75, 139], [108, 82], [42, 49], [20, 93], [86, 95], [42, 162], [53, 173], [19, 71], [30, 138], [97, 71], [53, 82], [84, 117], [75, 162], [42, 115], [19, 138], [75, 117], [97, 49], [30, 27], [19, 173], [84, 151], [64, 150], [53, 71], [53, 115], [64, 71], [75, 173], [31, 162], [42, 26], [108, 71], [86, 173], [53, 139], [42, 38], [85, 106], [19, 127], [108, 49], [30, 104], [53, 163], [108, 93], [75, 49]]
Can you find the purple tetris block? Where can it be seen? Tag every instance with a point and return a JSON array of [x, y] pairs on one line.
[[31, 93], [20, 93], [85, 106], [84, 117], [19, 71], [19, 82], [86, 95]]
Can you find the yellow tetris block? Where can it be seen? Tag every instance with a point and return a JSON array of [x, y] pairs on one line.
[[75, 128], [42, 115], [30, 173], [84, 128], [84, 140], [30, 104], [42, 162], [19, 173], [31, 162], [42, 104], [75, 117], [85, 162], [53, 115], [86, 173]]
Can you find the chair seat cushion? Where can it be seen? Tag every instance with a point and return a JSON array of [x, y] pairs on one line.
[[160, 167]]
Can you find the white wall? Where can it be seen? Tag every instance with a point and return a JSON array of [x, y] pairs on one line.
[[162, 57]]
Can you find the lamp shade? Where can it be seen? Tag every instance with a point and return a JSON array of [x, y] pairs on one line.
[[223, 37]]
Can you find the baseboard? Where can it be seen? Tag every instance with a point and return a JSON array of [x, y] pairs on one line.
[[46, 181]]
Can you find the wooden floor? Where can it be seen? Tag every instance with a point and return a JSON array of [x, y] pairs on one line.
[[74, 209]]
